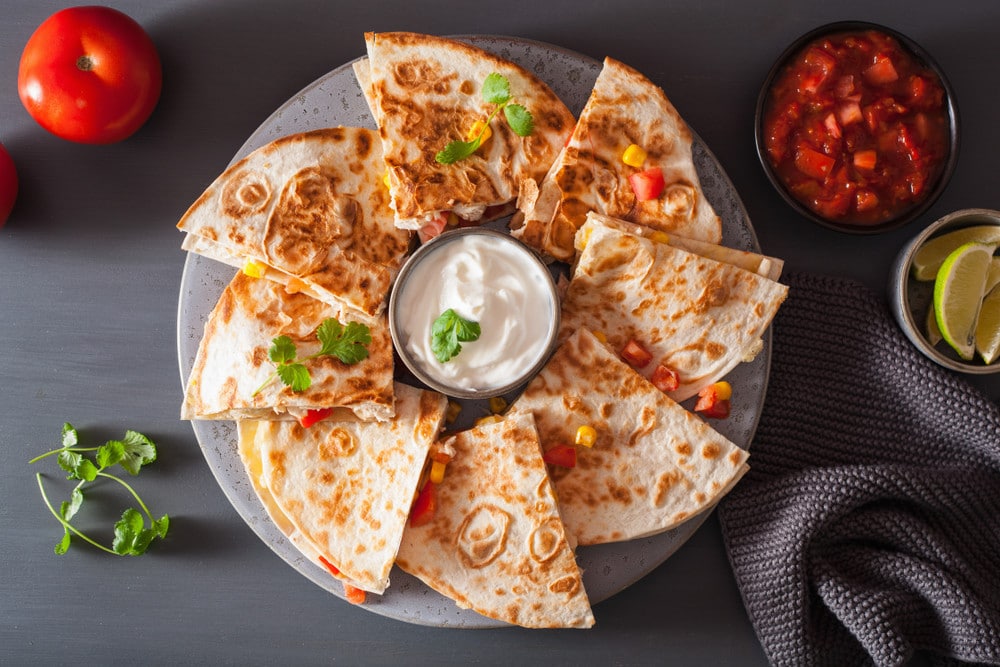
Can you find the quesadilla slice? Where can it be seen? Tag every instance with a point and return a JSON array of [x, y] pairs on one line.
[[426, 92], [655, 184], [653, 465], [695, 317], [308, 210], [233, 373], [496, 543], [346, 486], [763, 265]]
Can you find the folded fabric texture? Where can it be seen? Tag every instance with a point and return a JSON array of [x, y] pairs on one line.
[[868, 528]]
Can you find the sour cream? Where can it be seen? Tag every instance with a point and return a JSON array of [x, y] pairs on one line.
[[487, 277]]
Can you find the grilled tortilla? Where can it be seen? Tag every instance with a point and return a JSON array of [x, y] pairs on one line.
[[424, 92], [496, 543], [310, 210], [232, 360], [654, 464], [696, 316], [624, 108], [764, 265], [346, 486]]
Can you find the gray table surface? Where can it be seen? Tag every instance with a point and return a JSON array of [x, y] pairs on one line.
[[90, 267]]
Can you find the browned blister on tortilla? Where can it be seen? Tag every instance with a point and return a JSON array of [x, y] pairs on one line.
[[312, 211], [496, 543], [232, 362], [424, 92], [624, 108], [653, 466]]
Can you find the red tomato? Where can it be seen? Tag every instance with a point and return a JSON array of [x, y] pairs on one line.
[[8, 184], [353, 594], [423, 507], [90, 75], [313, 416], [563, 456], [635, 355], [665, 379], [647, 184]]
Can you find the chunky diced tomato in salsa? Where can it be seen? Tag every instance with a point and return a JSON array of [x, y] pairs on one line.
[[857, 128]]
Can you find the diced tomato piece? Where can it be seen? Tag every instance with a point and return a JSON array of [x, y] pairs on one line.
[[330, 566], [881, 71], [813, 163], [830, 122], [665, 379], [865, 159], [908, 143], [635, 355], [820, 66], [844, 87], [713, 401], [865, 200], [423, 508], [313, 416], [434, 227], [354, 594], [849, 112], [563, 456], [647, 184]]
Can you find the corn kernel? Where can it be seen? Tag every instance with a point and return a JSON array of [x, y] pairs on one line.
[[659, 237], [497, 405], [599, 335], [477, 127], [452, 412], [489, 419], [453, 219], [723, 390], [634, 156], [253, 269], [586, 436], [437, 471], [385, 178]]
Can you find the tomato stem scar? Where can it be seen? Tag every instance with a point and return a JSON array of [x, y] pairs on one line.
[[84, 63]]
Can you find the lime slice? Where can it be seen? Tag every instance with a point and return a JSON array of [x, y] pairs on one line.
[[988, 328], [929, 257], [958, 293]]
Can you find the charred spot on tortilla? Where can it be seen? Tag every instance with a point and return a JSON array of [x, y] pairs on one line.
[[246, 192]]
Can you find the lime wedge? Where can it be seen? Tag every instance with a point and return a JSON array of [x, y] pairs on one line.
[[929, 257], [958, 293], [988, 328], [993, 275]]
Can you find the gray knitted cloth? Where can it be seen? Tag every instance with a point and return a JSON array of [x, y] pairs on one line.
[[868, 528]]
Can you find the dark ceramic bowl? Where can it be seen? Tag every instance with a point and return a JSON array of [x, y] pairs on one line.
[[933, 191]]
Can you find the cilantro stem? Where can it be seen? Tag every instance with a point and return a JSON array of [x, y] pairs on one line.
[[269, 380], [61, 450], [130, 490], [66, 524]]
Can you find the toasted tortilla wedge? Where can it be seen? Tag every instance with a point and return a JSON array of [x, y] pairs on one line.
[[764, 265], [311, 211], [496, 543], [347, 486], [425, 92], [232, 360], [654, 465], [624, 108], [696, 316]]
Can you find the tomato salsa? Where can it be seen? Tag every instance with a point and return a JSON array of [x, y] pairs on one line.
[[857, 128]]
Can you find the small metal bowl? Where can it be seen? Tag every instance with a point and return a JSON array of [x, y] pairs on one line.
[[951, 107], [910, 299], [402, 290]]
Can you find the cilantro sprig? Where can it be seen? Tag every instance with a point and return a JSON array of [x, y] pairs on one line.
[[448, 331], [132, 452], [495, 90], [349, 343]]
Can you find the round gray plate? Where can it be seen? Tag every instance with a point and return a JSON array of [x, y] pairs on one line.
[[336, 99]]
